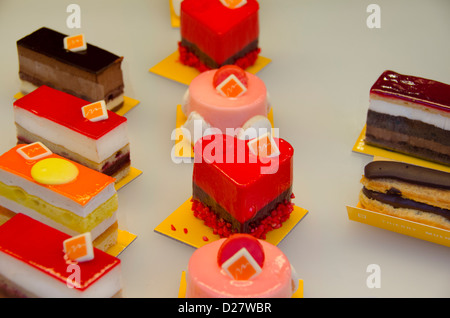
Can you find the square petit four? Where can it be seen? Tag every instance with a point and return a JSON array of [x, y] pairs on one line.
[[33, 264], [92, 74], [60, 193], [76, 129], [410, 115]]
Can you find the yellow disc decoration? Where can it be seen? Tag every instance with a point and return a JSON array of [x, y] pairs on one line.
[[54, 171]]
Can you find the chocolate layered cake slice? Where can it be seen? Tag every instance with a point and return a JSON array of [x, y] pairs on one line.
[[410, 115], [238, 190], [213, 35], [407, 191], [92, 74], [102, 145]]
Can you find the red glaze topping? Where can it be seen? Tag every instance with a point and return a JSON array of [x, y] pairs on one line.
[[411, 88], [65, 109], [227, 171], [227, 70], [216, 30], [41, 247], [237, 241]]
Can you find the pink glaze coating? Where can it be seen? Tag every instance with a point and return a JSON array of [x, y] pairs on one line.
[[205, 279], [224, 112]]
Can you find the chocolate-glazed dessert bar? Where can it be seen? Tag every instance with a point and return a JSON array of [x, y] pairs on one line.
[[93, 74], [407, 191], [410, 115]]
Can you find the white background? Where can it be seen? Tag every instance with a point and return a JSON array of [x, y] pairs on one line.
[[324, 61]]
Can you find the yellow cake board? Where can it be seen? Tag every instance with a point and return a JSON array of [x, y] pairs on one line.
[[183, 147], [134, 173], [172, 69], [198, 234], [124, 239], [398, 225], [361, 147], [182, 290], [174, 19], [128, 103]]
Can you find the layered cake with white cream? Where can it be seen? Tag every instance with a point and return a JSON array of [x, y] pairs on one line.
[[410, 115], [34, 264], [80, 68], [229, 100], [76, 129], [60, 193], [240, 267]]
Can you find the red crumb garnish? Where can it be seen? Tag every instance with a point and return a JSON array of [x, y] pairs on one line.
[[223, 228], [205, 238], [185, 230], [172, 227]]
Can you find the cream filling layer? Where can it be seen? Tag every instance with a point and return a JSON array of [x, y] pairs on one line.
[[42, 285], [95, 231], [55, 198], [94, 150], [428, 117]]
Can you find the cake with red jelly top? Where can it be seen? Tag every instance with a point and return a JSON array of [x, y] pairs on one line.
[[242, 186], [240, 266], [60, 121], [218, 32], [410, 115], [33, 264]]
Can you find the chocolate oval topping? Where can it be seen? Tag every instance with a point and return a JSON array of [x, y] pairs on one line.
[[408, 173]]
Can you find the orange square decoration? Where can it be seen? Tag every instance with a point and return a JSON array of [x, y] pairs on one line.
[[231, 87], [241, 266], [95, 111], [264, 146], [34, 151], [75, 43], [79, 248]]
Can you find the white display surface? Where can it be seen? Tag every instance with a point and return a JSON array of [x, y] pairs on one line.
[[324, 60]]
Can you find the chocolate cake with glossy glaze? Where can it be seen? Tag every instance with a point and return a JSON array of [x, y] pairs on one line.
[[407, 191], [93, 74]]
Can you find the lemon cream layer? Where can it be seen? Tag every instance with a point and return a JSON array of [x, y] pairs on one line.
[[57, 191]]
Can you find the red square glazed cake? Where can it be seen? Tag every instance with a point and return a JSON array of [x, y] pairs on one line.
[[213, 35], [238, 191], [33, 264]]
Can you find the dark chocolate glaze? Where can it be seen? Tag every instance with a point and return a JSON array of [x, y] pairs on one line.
[[411, 88], [399, 202], [408, 173], [203, 197], [50, 43]]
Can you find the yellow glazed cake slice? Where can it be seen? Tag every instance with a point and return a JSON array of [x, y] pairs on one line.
[[58, 192]]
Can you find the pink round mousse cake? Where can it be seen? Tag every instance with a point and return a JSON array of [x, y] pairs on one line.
[[206, 277], [221, 111]]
